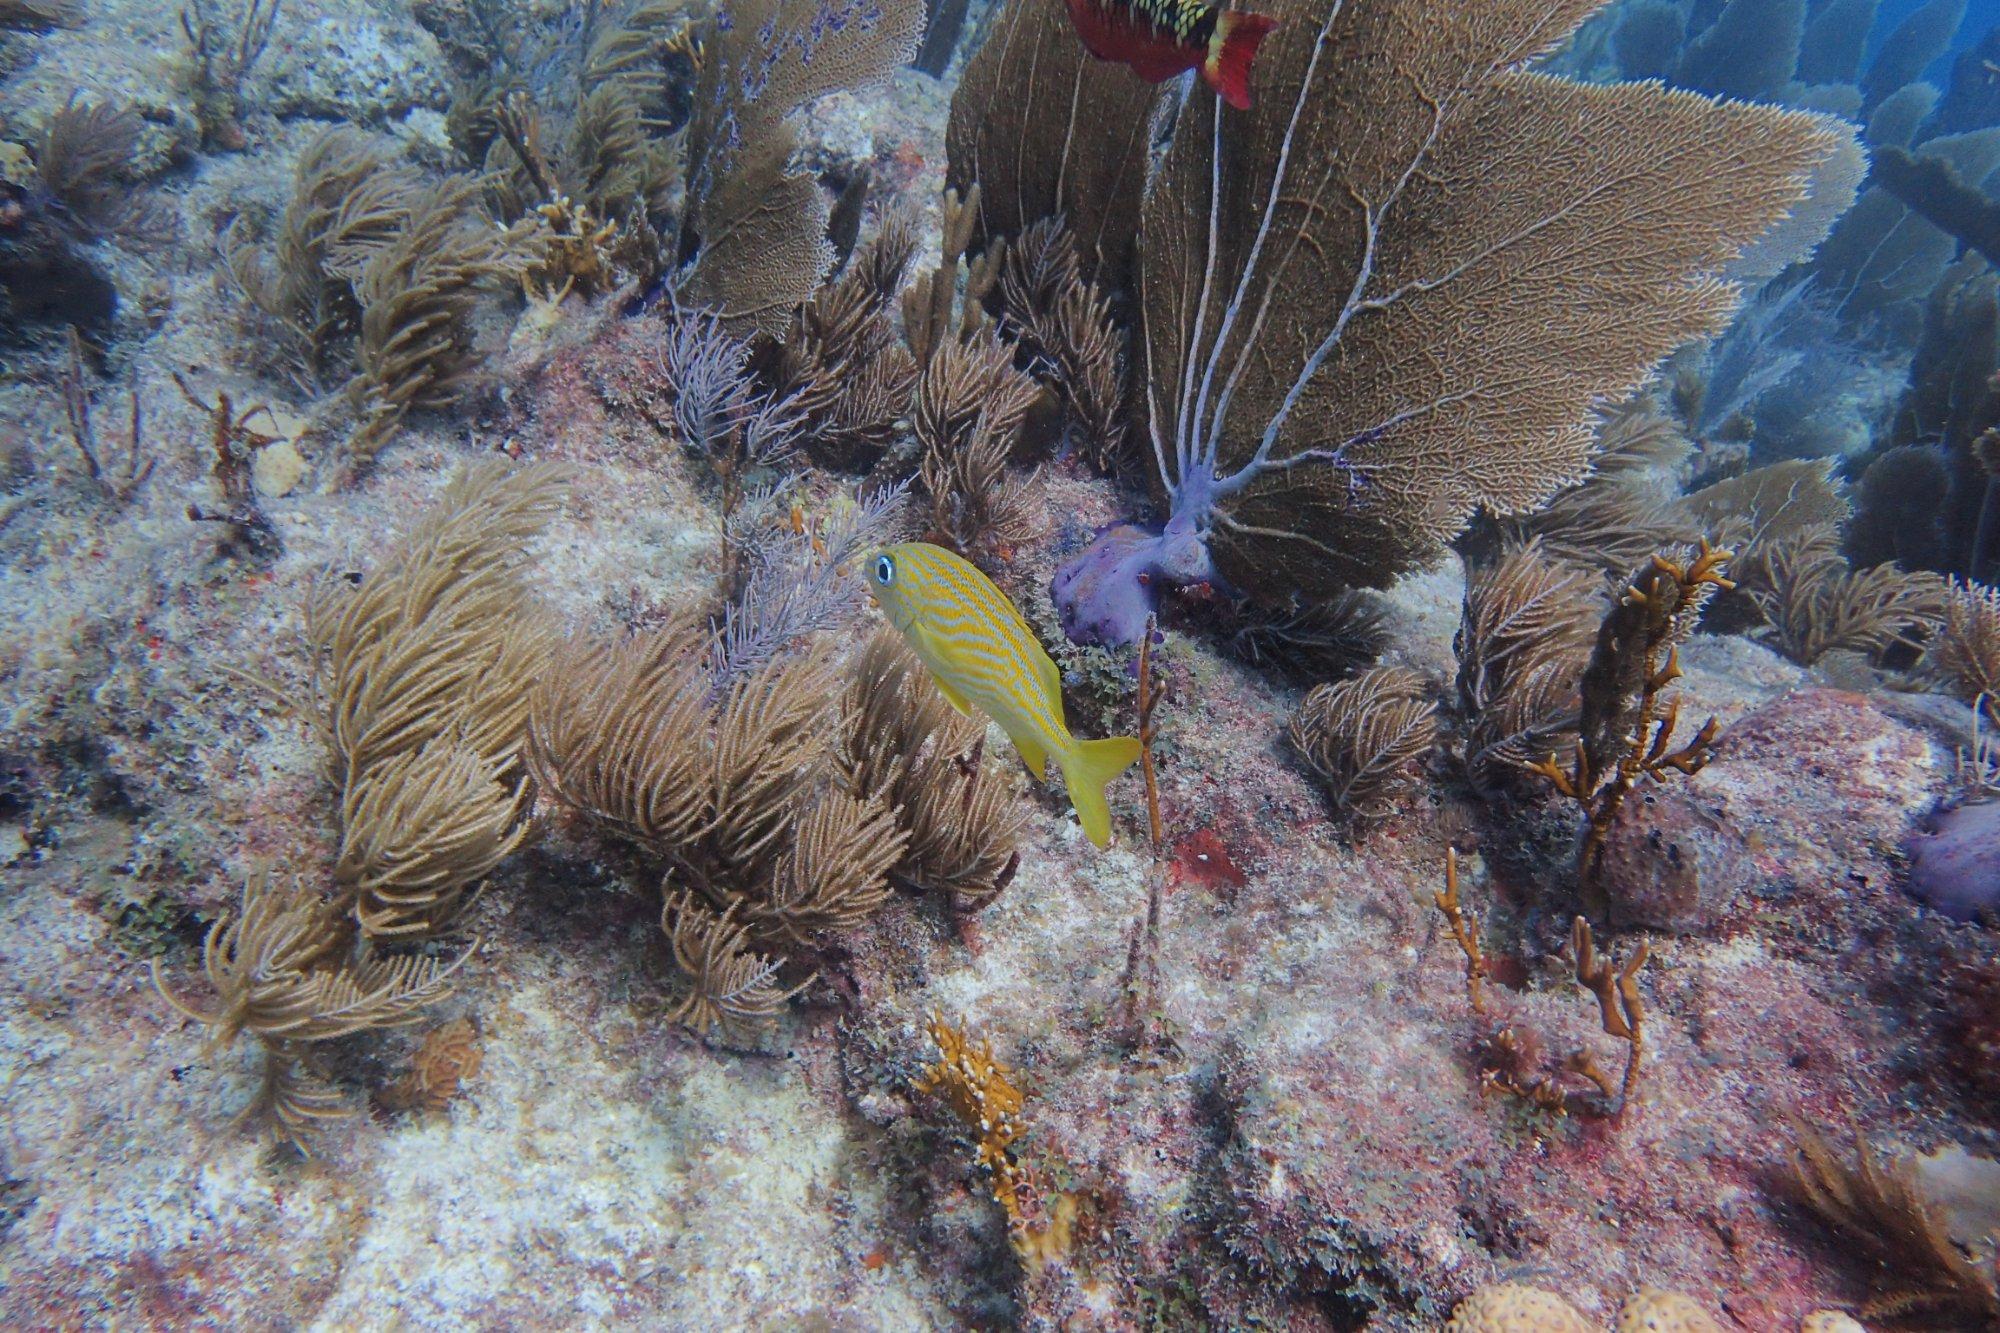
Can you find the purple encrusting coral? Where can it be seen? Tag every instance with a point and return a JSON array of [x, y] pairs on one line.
[[1955, 861]]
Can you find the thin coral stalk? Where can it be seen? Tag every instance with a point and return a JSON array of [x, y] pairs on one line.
[[1149, 699], [1464, 929]]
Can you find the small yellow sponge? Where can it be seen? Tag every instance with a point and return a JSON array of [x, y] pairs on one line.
[[1510, 1307]]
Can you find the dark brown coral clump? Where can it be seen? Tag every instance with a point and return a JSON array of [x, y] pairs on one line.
[[1629, 710]]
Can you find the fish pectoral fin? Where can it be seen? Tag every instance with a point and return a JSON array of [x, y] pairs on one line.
[[953, 697], [928, 652], [1034, 755]]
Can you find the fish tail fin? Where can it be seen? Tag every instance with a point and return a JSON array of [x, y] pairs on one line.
[[1088, 768], [1230, 51]]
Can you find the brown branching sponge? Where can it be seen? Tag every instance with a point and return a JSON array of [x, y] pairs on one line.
[[1523, 638], [418, 293], [904, 746], [233, 443], [1044, 131], [1364, 736], [1329, 378], [1628, 712], [1514, 1060], [1063, 322], [286, 970], [755, 226], [422, 674], [117, 469], [980, 1092], [1465, 930], [348, 199], [1880, 1207], [1965, 655]]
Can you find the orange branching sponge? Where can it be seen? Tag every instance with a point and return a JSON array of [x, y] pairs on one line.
[[979, 1090], [1464, 929], [1514, 1060], [1622, 1011], [1629, 717]]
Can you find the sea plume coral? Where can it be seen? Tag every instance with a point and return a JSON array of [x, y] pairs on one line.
[[1346, 312], [421, 677], [418, 292], [1363, 736], [1966, 653], [735, 783], [904, 745], [348, 198], [1881, 1208], [1524, 634], [285, 969]]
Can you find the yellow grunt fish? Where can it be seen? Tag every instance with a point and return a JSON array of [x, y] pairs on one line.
[[982, 654]]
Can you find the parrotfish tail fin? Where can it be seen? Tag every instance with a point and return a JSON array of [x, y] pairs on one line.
[[1230, 51], [1088, 769]]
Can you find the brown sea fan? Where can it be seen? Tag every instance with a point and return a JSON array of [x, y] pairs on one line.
[[1390, 292], [755, 224]]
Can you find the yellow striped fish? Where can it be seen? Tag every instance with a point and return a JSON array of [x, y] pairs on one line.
[[981, 653]]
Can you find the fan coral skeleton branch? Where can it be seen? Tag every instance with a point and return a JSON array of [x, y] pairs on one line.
[[1346, 310]]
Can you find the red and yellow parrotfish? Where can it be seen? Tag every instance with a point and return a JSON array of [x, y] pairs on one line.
[[982, 654], [1162, 38]]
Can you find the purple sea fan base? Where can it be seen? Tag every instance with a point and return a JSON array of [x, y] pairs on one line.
[[1955, 863], [1107, 594]]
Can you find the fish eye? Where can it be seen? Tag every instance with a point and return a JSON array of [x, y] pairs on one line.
[[885, 570]]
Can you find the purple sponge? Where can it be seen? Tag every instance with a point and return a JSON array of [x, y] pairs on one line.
[[1955, 865]]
